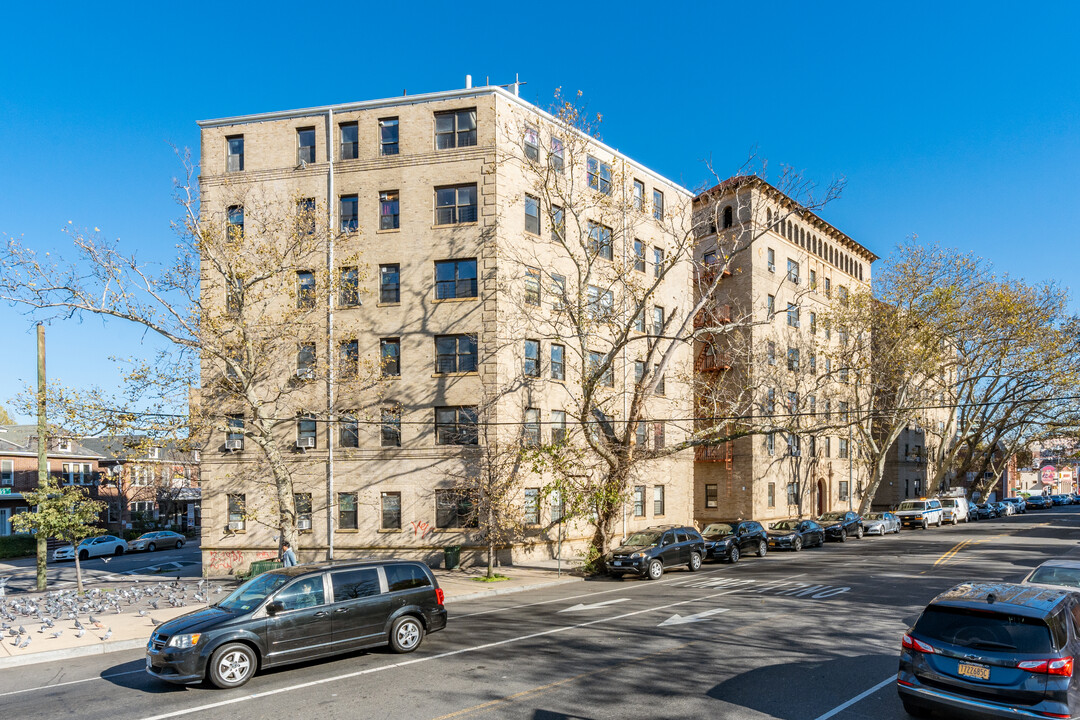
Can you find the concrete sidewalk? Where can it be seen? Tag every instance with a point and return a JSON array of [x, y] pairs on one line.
[[131, 630]]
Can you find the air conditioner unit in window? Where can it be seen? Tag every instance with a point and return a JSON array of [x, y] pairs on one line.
[[303, 524], [236, 526], [305, 374], [305, 442], [234, 444]]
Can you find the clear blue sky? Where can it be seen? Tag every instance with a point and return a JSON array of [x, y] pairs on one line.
[[956, 121]]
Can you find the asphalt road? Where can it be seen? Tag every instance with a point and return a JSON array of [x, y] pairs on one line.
[[185, 562], [797, 636]]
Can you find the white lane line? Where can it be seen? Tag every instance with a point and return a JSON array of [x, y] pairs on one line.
[[621, 588], [857, 698], [70, 682], [369, 671]]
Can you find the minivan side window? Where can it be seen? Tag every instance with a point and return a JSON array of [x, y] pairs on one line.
[[307, 592], [405, 577], [680, 537], [353, 584]]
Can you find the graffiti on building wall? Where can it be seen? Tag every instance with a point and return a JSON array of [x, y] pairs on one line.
[[229, 560], [420, 529]]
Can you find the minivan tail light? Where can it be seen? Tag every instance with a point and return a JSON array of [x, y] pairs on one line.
[[1054, 666], [440, 596], [913, 643]]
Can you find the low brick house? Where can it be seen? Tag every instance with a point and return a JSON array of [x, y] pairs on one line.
[[69, 461]]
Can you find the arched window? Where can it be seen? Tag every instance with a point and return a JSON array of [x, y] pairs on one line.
[[729, 219]]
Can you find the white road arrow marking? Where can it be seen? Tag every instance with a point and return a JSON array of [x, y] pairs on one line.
[[696, 617], [593, 606]]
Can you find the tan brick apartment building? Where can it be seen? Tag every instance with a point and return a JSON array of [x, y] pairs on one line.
[[462, 275], [792, 266]]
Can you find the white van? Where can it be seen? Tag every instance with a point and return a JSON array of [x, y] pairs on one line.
[[955, 509]]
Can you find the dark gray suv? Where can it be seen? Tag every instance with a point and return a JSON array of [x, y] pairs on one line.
[[299, 613], [650, 551], [994, 650]]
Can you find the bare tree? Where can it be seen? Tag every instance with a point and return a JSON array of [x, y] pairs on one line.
[[620, 310], [264, 257]]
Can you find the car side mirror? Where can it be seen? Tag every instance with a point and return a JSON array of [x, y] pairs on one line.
[[274, 607]]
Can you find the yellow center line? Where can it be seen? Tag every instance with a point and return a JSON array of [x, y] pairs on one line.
[[951, 552]]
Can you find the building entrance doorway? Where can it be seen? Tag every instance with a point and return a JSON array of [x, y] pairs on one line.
[[820, 497]]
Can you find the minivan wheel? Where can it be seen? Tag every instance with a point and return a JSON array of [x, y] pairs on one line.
[[939, 522], [232, 665], [733, 556], [925, 525], [695, 562], [762, 548], [656, 569], [406, 634]]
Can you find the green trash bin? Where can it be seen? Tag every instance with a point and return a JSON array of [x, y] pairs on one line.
[[452, 557]]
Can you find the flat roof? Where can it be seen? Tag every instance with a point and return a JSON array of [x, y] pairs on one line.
[[432, 97]]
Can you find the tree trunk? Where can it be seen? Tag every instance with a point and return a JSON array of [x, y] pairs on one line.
[[78, 570], [875, 481], [491, 544], [283, 484]]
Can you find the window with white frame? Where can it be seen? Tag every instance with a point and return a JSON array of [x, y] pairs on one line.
[[599, 175]]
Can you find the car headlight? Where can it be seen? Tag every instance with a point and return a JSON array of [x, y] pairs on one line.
[[635, 556], [183, 642]]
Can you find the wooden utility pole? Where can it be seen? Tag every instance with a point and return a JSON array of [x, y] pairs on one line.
[[43, 451]]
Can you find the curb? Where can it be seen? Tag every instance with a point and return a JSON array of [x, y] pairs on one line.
[[508, 590], [82, 651]]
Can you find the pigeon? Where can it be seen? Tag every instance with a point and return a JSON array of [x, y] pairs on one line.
[[25, 643], [22, 630], [93, 620], [82, 631], [108, 634], [78, 625], [142, 613], [155, 622], [57, 634]]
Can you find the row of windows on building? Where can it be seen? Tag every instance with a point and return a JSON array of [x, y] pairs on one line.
[[711, 497], [813, 244], [453, 509], [453, 129], [811, 410], [813, 448], [454, 425], [795, 364], [795, 278]]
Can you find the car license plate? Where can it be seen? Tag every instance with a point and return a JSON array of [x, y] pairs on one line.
[[976, 671], [617, 563]]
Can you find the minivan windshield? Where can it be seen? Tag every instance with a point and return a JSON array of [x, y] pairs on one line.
[[984, 630], [717, 529], [253, 592], [643, 539], [912, 505]]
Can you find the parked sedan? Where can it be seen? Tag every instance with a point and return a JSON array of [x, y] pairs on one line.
[[795, 535], [151, 541], [1059, 573], [985, 511], [92, 547], [881, 523], [1039, 502], [839, 525]]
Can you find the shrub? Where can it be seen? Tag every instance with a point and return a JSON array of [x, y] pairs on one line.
[[17, 546]]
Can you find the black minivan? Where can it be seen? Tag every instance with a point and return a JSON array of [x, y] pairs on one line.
[[299, 613], [994, 650]]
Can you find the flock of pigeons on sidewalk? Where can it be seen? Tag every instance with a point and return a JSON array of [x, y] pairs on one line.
[[54, 609]]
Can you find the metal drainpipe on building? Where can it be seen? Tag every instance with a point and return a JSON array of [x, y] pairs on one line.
[[626, 410], [330, 336]]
